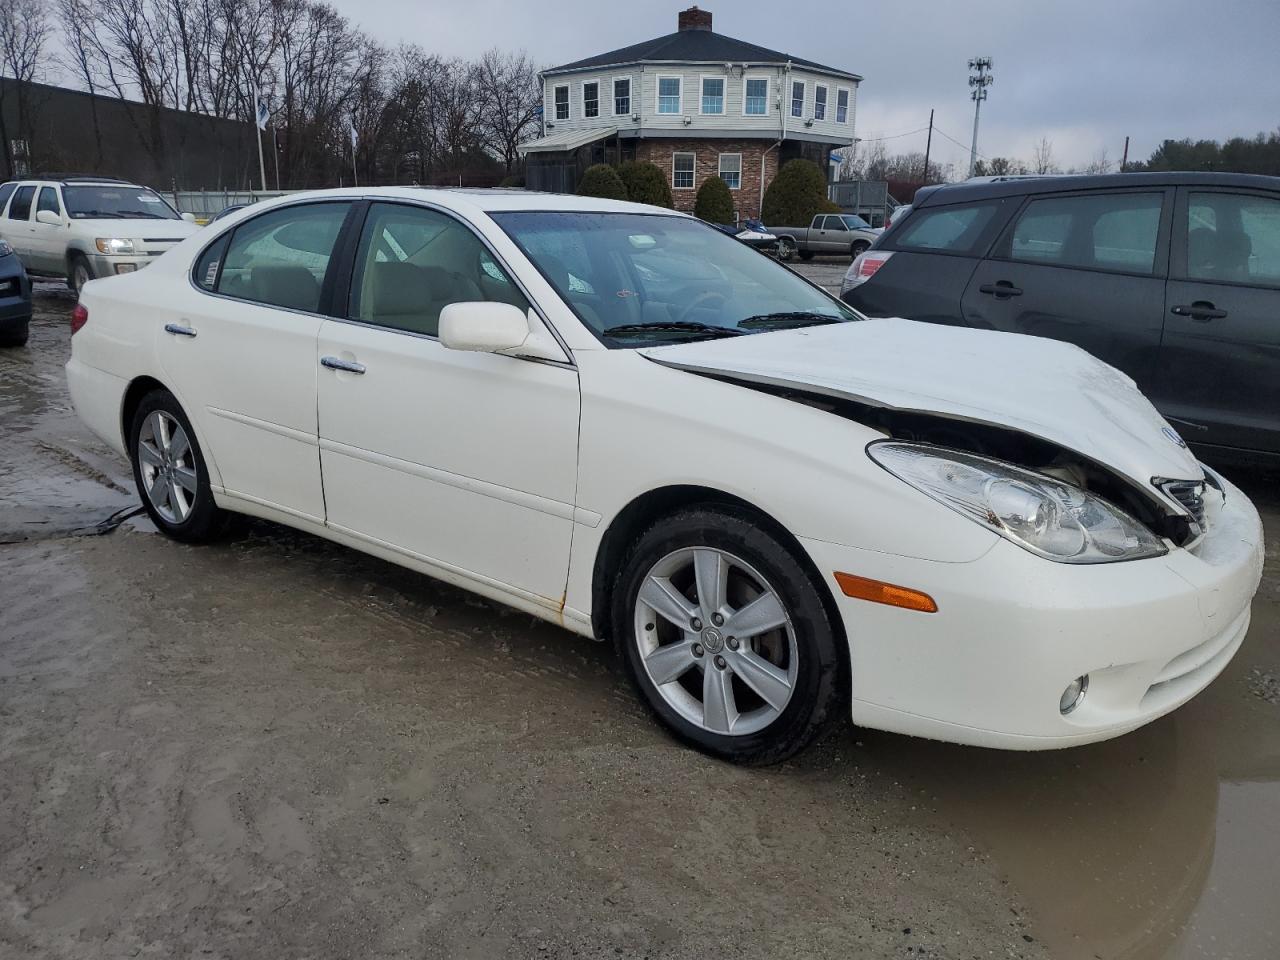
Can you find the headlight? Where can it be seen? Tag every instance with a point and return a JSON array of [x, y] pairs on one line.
[[1050, 518], [113, 245], [5, 248]]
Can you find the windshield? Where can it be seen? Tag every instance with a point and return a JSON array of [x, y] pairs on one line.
[[120, 202], [644, 279], [855, 223]]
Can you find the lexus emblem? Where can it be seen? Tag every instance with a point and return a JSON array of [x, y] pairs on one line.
[[1172, 434]]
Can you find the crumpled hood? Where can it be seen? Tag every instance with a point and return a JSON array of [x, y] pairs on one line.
[[1051, 389]]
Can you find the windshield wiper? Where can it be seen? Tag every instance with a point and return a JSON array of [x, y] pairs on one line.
[[791, 318], [674, 326]]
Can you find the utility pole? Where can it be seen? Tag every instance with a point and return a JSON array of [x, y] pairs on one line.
[[1124, 161], [979, 79], [928, 145]]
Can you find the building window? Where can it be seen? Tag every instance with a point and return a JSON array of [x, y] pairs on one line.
[[682, 171], [668, 94], [842, 106], [562, 102], [622, 97], [797, 98], [819, 102], [713, 94], [591, 99], [756, 97], [731, 169]]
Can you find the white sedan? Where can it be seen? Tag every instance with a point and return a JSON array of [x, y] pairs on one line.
[[621, 420]]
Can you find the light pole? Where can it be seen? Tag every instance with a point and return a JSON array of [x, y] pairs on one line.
[[979, 79]]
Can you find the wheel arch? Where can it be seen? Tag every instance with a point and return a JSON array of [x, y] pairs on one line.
[[138, 388], [629, 522]]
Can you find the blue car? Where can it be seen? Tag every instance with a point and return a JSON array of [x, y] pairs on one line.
[[15, 299]]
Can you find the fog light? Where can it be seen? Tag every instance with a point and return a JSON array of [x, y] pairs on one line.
[[1074, 693], [126, 267]]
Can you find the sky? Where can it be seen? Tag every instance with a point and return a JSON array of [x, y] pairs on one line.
[[1083, 73]]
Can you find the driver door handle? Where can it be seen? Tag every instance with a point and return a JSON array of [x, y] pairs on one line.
[[1201, 310], [346, 366], [1002, 289]]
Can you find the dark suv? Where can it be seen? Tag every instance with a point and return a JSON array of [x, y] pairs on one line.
[[1172, 277]]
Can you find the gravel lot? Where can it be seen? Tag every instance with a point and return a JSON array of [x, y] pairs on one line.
[[274, 747]]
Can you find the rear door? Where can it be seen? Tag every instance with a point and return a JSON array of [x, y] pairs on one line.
[[17, 222], [1088, 268], [1220, 365], [933, 253]]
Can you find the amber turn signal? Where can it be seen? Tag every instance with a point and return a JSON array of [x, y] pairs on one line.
[[879, 592]]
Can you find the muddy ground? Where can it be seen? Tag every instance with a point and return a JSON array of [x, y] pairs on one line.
[[278, 748]]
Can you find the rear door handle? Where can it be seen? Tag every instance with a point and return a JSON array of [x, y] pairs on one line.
[[1201, 310], [1001, 290], [178, 330], [346, 366]]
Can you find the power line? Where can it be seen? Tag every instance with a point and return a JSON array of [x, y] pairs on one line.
[[893, 136], [962, 146]]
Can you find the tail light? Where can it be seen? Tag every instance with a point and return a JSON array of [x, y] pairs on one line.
[[79, 317], [863, 268]]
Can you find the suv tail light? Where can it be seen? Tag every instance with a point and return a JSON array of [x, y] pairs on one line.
[[79, 317], [863, 268]]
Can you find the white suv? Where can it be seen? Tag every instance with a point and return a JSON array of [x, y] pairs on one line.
[[82, 228]]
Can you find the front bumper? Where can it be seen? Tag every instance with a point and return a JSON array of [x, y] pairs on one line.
[[108, 265], [1013, 630]]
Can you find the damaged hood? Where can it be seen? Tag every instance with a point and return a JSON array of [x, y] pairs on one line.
[[1047, 388]]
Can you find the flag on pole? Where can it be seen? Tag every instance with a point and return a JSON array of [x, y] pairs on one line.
[[262, 110], [351, 125]]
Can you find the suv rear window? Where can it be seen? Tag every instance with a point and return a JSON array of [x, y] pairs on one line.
[[1099, 232], [954, 229]]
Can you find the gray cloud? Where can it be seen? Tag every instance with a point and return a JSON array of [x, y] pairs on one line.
[[1085, 73]]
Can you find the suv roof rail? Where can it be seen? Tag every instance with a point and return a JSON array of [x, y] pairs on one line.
[[78, 178]]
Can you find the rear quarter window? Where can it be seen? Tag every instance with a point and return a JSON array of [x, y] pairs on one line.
[[953, 229]]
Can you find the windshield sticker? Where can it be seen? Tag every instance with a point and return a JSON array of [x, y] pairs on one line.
[[147, 199]]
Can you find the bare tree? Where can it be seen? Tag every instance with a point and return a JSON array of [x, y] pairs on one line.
[[24, 30], [1100, 163], [1042, 157], [510, 94]]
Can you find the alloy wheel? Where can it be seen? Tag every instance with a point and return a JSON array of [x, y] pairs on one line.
[[716, 640], [168, 466]]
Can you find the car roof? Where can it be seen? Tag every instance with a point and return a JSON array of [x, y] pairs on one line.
[[493, 200], [986, 188]]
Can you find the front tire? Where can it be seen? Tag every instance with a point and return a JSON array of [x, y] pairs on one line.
[[78, 273], [170, 472], [16, 338], [858, 248], [726, 637]]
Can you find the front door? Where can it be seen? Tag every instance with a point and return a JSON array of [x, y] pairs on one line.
[[48, 241], [465, 460], [242, 345], [1220, 366], [1088, 269]]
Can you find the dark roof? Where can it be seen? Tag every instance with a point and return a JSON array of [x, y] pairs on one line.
[[695, 46], [988, 189]]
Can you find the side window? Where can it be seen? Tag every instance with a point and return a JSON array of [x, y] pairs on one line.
[[6, 191], [49, 201], [413, 262], [20, 209], [945, 229], [205, 272], [1233, 237], [280, 258], [1107, 232]]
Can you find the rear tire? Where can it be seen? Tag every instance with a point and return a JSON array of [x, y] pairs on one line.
[[16, 338], [169, 470], [78, 273], [754, 697]]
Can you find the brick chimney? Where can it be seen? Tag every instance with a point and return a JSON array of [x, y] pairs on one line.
[[694, 19]]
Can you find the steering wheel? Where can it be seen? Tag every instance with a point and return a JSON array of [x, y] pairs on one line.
[[696, 302]]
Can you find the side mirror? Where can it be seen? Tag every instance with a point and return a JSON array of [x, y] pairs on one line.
[[483, 326], [49, 217], [189, 217]]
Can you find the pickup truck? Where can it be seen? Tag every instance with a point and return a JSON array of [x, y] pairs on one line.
[[829, 233]]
